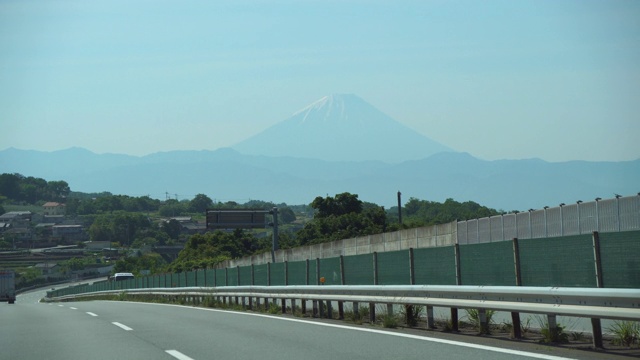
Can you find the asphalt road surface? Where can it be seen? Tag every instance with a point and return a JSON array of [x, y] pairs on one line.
[[126, 330]]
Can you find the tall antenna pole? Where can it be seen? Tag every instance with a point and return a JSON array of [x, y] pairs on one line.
[[400, 207]]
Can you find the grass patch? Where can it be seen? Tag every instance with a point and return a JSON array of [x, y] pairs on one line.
[[411, 314], [473, 316], [625, 333]]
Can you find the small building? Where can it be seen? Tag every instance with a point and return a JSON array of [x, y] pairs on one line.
[[4, 226], [49, 269], [16, 217], [97, 245], [69, 232], [53, 208]]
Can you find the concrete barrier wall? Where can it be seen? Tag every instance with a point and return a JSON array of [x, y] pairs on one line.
[[422, 237]]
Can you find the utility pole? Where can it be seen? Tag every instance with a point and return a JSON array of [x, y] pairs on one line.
[[400, 207]]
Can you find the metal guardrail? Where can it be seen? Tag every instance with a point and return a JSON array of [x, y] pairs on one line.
[[616, 304]]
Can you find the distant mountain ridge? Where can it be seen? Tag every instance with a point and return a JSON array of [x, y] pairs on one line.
[[341, 127], [226, 174]]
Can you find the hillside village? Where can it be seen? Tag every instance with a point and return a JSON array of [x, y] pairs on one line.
[[43, 240]]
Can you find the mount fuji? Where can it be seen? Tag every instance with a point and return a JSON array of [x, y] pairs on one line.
[[341, 127]]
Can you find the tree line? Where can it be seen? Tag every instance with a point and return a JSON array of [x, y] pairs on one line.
[[125, 220]]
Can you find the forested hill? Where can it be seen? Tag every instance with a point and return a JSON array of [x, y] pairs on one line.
[[225, 174]]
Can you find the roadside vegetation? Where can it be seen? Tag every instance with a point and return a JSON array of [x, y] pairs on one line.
[[136, 227]]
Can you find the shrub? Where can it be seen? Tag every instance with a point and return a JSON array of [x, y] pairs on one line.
[[625, 333]]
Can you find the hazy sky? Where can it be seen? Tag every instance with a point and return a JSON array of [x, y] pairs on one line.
[[557, 80]]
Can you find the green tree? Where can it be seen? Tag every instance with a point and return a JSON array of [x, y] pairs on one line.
[[341, 204], [172, 228], [200, 203], [342, 217]]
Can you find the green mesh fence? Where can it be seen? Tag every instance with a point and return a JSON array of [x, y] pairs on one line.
[[435, 266], [620, 255], [277, 274], [200, 274], [313, 273], [221, 277], [210, 277], [260, 275], [176, 279], [488, 264], [297, 273], [358, 269], [191, 278], [566, 261], [330, 270], [245, 275], [393, 268], [232, 276]]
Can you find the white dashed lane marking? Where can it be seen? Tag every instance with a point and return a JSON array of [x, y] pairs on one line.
[[178, 355], [122, 326]]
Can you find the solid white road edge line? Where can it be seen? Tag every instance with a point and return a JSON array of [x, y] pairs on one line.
[[124, 327], [417, 337], [92, 314], [178, 355]]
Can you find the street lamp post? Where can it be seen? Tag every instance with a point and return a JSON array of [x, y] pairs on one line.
[[597, 215], [578, 208], [546, 231]]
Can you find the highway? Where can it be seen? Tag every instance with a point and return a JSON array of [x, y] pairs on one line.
[[127, 330]]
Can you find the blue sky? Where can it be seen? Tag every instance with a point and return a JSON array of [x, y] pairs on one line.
[[556, 80]]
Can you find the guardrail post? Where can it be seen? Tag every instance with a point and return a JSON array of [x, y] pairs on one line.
[[286, 282], [515, 316], [318, 304], [303, 302], [342, 282], [372, 306], [431, 323], [596, 325], [482, 318], [329, 310], [552, 323], [454, 311]]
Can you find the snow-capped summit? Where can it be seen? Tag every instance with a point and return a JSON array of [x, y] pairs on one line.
[[341, 127]]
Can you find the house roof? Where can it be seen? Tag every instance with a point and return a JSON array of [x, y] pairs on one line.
[[52, 204], [45, 225], [14, 214]]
